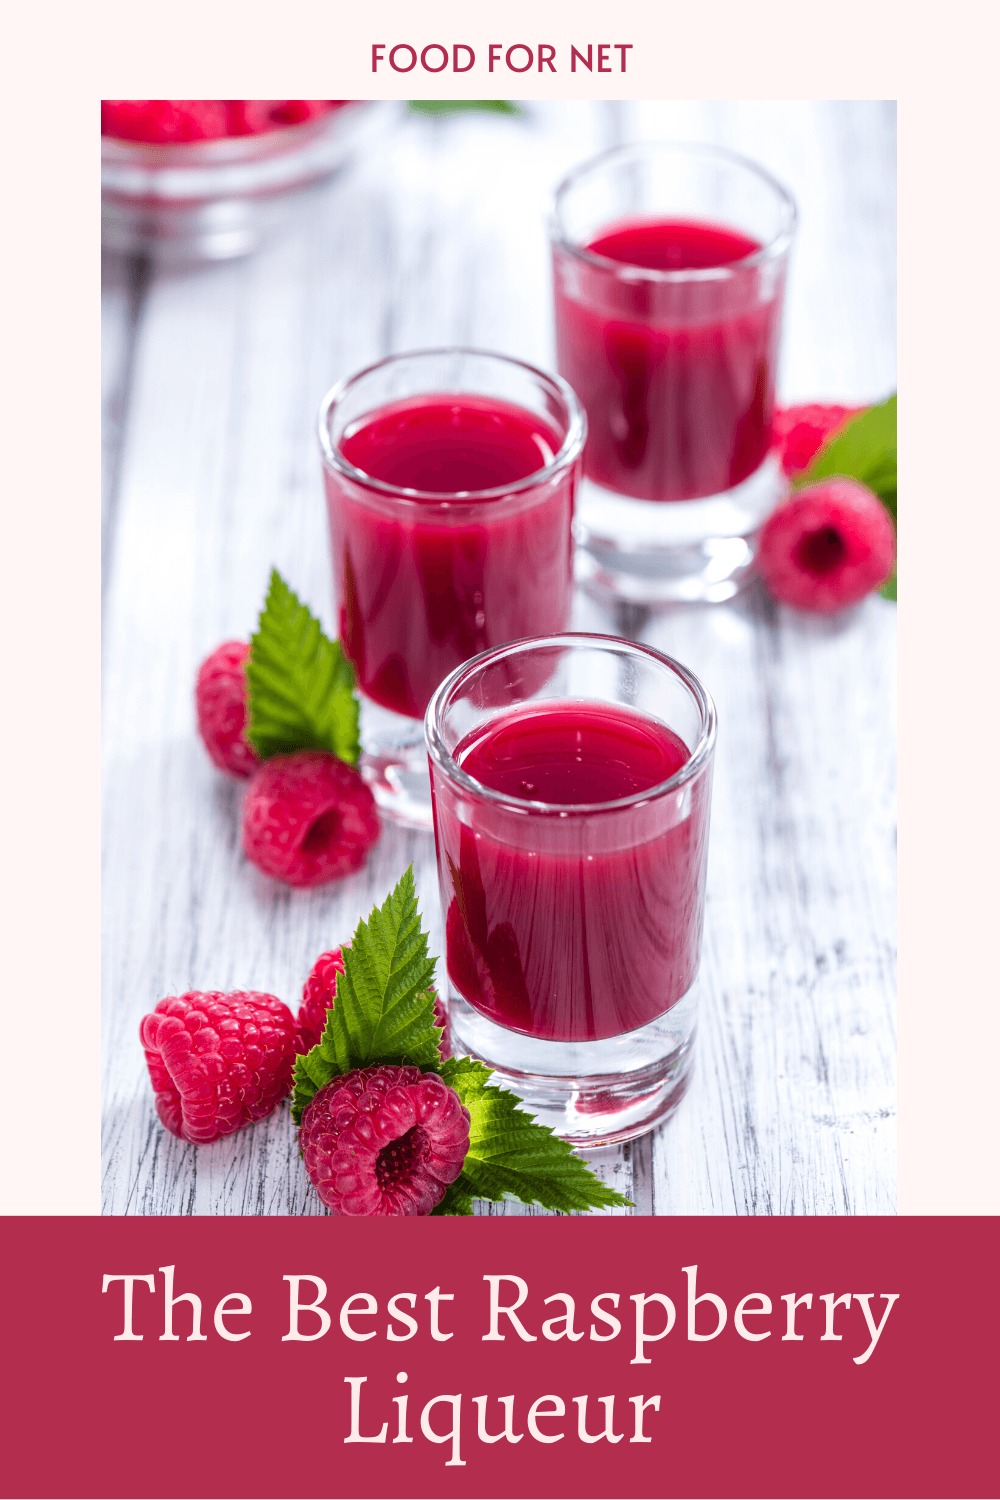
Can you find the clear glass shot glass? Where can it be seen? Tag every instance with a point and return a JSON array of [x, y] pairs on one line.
[[573, 928], [669, 263], [451, 477]]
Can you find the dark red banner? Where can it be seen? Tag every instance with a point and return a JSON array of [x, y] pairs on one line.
[[500, 1357]]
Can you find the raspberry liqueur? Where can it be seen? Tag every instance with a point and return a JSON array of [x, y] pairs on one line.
[[677, 377], [429, 569], [598, 936], [445, 445], [572, 754]]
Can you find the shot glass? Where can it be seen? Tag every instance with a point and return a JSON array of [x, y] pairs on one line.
[[669, 264], [571, 777], [450, 479]]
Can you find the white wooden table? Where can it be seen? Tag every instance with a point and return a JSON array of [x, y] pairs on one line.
[[211, 383]]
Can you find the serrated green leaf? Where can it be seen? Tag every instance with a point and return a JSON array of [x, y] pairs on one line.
[[383, 1011], [463, 106], [888, 589], [300, 685], [511, 1156], [455, 1204], [865, 450]]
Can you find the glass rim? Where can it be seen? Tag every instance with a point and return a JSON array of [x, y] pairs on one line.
[[774, 249], [570, 448], [445, 761]]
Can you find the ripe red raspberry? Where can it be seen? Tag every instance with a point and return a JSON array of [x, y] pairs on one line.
[[271, 114], [799, 432], [318, 997], [220, 697], [169, 121], [384, 1141], [308, 818], [827, 547], [163, 121], [218, 1062]]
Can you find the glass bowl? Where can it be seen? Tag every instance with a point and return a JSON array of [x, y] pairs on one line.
[[215, 199]]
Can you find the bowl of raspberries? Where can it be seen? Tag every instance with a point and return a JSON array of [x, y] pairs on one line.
[[201, 179]]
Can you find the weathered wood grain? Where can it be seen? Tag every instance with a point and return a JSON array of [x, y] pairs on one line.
[[123, 288], [212, 379]]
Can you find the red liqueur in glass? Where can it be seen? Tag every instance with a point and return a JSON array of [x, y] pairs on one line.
[[450, 445], [449, 536], [580, 918], [571, 778], [677, 376]]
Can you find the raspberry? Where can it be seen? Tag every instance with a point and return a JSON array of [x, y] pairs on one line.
[[308, 818], [163, 121], [220, 701], [318, 997], [384, 1140], [168, 121], [273, 114], [799, 432], [828, 546], [218, 1062]]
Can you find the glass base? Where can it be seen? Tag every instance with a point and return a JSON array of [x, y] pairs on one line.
[[394, 764], [590, 1093], [680, 551]]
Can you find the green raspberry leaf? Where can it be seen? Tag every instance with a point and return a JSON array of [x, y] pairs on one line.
[[456, 1203], [301, 686], [463, 106], [383, 1011], [511, 1156]]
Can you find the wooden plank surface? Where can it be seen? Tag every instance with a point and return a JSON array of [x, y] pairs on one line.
[[211, 380]]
